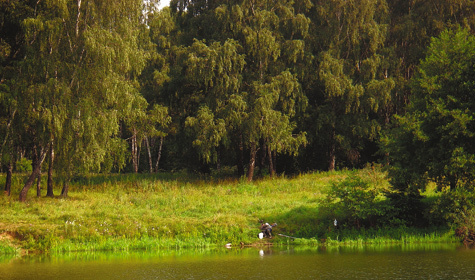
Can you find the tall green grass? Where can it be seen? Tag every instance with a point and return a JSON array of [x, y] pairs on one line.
[[168, 211], [6, 248], [401, 235]]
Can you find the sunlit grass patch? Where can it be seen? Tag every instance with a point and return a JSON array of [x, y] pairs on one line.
[[153, 211], [6, 245], [401, 235]]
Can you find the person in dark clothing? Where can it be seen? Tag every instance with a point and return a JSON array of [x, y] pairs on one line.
[[266, 229]]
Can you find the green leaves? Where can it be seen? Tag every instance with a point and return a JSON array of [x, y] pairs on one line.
[[441, 116], [80, 69], [274, 107], [257, 77], [217, 68], [240, 76], [209, 132], [352, 74], [358, 199]]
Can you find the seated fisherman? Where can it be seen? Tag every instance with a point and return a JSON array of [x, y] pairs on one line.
[[266, 229]]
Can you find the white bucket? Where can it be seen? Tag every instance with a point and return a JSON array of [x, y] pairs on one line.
[[261, 235]]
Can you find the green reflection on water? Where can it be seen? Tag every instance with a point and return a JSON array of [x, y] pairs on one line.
[[229, 252], [410, 261]]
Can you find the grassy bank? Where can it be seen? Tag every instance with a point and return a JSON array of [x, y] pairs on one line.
[[168, 211]]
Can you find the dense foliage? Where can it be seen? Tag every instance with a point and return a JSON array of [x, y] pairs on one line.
[[262, 87], [434, 140]]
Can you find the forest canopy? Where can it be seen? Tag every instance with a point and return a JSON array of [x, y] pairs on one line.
[[255, 87]]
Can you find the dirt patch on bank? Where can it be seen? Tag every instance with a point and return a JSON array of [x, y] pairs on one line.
[[6, 236]]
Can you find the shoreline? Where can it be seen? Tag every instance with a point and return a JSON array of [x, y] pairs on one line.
[[144, 211], [116, 244]]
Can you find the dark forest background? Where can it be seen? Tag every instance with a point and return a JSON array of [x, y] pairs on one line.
[[252, 88]]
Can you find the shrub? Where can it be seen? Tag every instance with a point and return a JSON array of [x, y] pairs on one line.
[[356, 202], [451, 207], [23, 165], [465, 222], [408, 209]]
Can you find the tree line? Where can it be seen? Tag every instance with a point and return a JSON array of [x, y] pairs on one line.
[[258, 86]]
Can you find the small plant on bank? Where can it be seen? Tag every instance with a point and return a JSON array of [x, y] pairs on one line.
[[457, 209], [466, 226], [23, 165], [356, 202]]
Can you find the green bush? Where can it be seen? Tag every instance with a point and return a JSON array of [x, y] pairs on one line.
[[465, 223], [356, 202], [407, 210], [23, 165], [451, 207]]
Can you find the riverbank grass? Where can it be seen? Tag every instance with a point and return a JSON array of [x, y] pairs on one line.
[[166, 211]]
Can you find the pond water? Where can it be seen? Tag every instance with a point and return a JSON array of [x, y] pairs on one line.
[[429, 261]]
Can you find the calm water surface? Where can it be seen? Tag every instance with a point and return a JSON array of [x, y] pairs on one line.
[[430, 261]]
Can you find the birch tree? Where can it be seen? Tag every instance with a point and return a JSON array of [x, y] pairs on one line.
[[352, 73], [11, 53], [263, 92], [82, 62]]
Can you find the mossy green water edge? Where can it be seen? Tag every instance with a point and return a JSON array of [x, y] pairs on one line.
[[162, 212]]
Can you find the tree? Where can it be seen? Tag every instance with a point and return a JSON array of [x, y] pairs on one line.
[[144, 126], [352, 75], [164, 89], [215, 70], [254, 93], [413, 24], [434, 140], [81, 66], [107, 89], [40, 73], [159, 121], [11, 53]]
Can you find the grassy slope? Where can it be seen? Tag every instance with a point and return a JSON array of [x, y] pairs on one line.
[[163, 211]]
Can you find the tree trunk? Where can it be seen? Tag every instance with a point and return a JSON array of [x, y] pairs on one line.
[[386, 126], [7, 134], [38, 185], [332, 151], [262, 155], [134, 151], [252, 162], [34, 174], [149, 155], [8, 179], [139, 151], [77, 18], [65, 190], [274, 160], [218, 159], [49, 187], [332, 160], [159, 154], [240, 156], [271, 163]]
